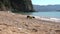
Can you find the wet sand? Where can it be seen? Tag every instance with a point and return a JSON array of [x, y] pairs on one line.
[[12, 23]]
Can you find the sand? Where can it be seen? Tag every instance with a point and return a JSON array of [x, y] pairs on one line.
[[12, 23]]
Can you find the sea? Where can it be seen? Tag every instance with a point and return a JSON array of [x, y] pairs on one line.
[[51, 14]]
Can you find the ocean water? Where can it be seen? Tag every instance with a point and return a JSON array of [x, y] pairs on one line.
[[51, 14], [47, 14]]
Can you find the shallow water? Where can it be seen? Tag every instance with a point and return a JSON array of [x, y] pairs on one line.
[[47, 14], [52, 14]]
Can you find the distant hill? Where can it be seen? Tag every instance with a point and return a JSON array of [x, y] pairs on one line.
[[47, 8]]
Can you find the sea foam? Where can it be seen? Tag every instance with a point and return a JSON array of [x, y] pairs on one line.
[[48, 19]]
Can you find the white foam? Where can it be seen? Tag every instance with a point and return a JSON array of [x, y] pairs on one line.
[[55, 19], [48, 19]]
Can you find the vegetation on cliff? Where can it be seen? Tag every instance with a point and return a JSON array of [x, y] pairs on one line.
[[16, 5]]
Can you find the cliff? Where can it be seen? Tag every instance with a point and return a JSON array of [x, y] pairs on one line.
[[16, 5]]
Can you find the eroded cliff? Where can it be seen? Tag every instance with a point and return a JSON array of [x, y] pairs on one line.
[[16, 5]]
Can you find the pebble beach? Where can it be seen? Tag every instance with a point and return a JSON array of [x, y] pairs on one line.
[[12, 23]]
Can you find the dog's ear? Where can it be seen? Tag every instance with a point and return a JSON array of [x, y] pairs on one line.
[[28, 16]]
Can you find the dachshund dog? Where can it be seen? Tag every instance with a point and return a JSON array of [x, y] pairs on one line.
[[30, 17]]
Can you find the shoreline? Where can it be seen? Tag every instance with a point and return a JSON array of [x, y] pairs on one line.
[[47, 18], [37, 17], [40, 18]]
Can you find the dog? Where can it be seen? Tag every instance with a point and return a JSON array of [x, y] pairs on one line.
[[30, 17]]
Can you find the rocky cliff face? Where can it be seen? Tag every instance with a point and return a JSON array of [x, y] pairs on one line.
[[16, 5]]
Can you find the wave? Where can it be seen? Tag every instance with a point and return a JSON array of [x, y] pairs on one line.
[[48, 19]]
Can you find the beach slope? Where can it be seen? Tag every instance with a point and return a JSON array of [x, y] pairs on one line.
[[12, 23]]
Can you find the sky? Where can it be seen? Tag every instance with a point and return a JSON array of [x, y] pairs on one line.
[[45, 2]]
